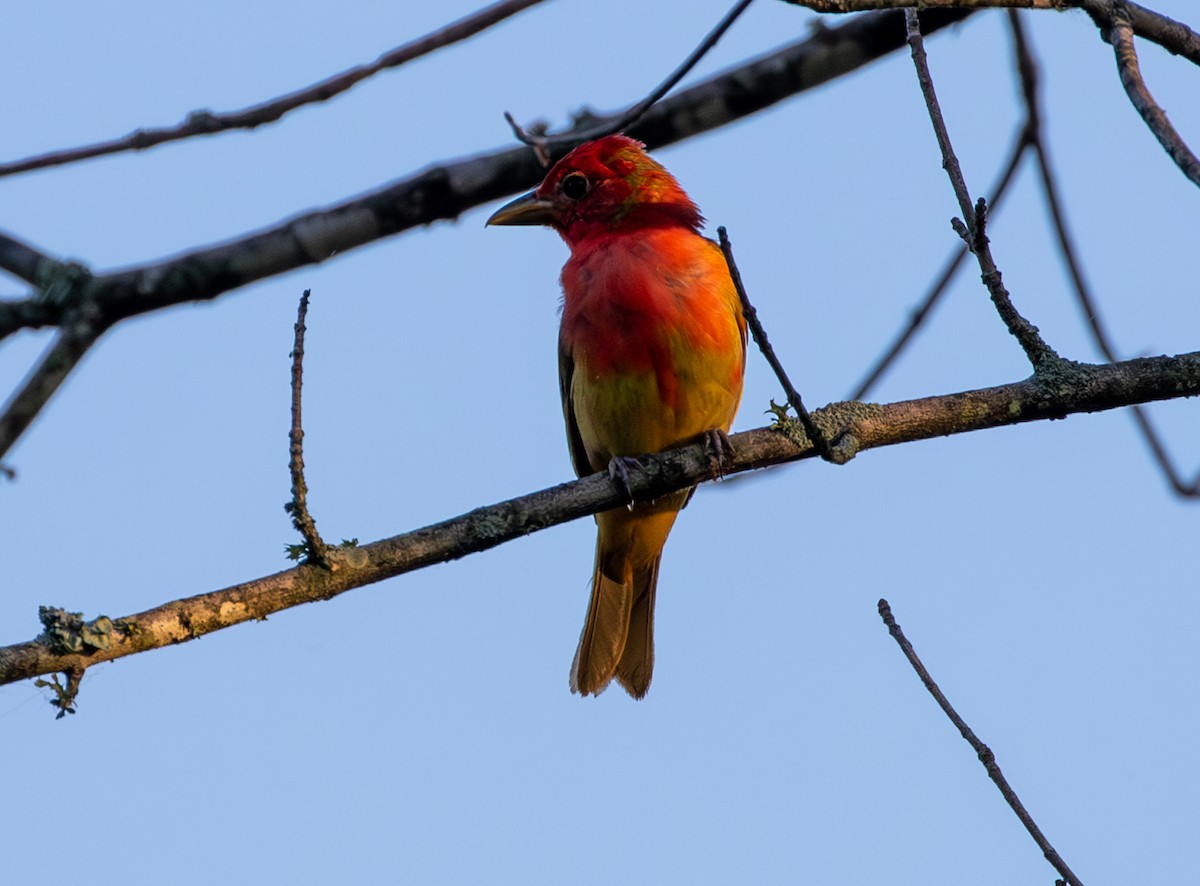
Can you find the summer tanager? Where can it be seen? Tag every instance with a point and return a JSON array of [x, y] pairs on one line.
[[652, 350]]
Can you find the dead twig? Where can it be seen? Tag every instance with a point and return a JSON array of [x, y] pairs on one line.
[[760, 338], [973, 226], [986, 757], [314, 548]]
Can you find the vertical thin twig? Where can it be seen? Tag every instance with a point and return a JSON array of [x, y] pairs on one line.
[[764, 345], [314, 546], [983, 751], [974, 231]]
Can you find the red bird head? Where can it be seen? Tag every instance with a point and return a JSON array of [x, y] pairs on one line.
[[608, 185]]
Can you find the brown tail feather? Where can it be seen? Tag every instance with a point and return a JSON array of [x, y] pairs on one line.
[[604, 633], [636, 666], [618, 634]]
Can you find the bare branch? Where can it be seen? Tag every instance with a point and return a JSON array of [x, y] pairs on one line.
[[1067, 389], [1120, 34], [209, 123], [68, 348], [1173, 36], [986, 757], [22, 260]]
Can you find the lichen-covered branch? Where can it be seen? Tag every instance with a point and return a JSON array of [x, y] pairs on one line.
[[1067, 389]]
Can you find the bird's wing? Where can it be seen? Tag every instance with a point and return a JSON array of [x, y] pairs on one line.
[[566, 372]]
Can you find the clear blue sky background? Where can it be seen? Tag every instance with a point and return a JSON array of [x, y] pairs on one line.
[[421, 731]]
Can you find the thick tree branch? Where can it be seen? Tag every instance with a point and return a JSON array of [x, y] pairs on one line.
[[1071, 388], [209, 123]]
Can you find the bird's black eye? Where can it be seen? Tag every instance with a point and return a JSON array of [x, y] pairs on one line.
[[574, 185]]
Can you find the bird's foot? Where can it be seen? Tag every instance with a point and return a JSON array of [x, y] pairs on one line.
[[720, 451], [618, 471]]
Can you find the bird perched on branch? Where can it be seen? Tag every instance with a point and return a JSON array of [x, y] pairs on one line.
[[652, 350]]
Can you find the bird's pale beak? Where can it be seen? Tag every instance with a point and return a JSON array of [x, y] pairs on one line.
[[525, 210]]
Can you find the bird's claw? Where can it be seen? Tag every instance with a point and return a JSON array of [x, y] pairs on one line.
[[618, 472], [720, 451]]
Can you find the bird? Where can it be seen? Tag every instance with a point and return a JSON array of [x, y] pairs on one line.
[[651, 356]]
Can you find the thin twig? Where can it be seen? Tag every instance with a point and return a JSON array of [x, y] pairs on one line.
[[983, 751], [533, 139], [1088, 305], [760, 338], [314, 547], [1120, 34], [974, 232], [209, 123], [543, 144]]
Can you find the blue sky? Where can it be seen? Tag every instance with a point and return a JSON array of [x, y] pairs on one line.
[[420, 730]]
